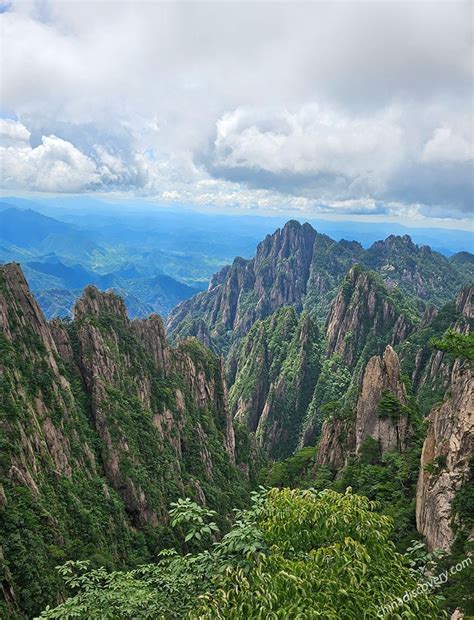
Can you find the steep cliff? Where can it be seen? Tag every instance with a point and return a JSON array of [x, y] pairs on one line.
[[365, 314], [103, 424], [250, 290], [430, 368], [445, 466], [278, 365], [382, 410], [446, 460], [363, 319], [286, 378], [382, 413]]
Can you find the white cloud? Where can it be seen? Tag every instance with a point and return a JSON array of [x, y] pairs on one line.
[[346, 104], [53, 166], [13, 133], [448, 147], [312, 141]]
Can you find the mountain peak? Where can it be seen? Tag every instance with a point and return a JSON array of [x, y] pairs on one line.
[[396, 241], [362, 306], [94, 302]]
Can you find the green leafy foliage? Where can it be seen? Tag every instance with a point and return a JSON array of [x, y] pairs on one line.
[[294, 554], [456, 345], [292, 471], [193, 518]]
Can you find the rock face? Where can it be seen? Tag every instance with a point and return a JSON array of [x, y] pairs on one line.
[[299, 267], [444, 468], [278, 389], [100, 416], [448, 447], [277, 367], [361, 310], [336, 443], [130, 362], [428, 368], [250, 290], [381, 413], [389, 426]]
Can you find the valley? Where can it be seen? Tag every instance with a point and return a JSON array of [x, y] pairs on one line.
[[317, 366]]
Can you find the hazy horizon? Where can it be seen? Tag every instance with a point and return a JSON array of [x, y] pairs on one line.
[[357, 112]]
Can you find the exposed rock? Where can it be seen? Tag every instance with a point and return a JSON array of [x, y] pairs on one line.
[[103, 423], [106, 339], [429, 314], [336, 443], [277, 368], [382, 375], [151, 333], [341, 437], [249, 290], [299, 267], [362, 308], [444, 468], [465, 302]]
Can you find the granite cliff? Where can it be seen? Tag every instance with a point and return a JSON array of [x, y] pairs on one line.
[[103, 424]]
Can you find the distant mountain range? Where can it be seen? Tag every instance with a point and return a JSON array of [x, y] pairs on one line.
[[60, 259], [154, 257]]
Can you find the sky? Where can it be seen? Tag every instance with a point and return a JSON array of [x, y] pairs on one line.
[[336, 109]]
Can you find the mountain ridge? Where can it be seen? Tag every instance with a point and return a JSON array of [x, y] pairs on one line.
[[103, 424], [248, 290]]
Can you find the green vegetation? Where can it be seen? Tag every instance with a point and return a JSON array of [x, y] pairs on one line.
[[456, 345], [278, 364], [87, 471], [391, 408], [294, 554], [332, 384], [389, 479], [290, 472]]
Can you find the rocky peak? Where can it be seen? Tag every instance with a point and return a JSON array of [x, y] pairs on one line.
[[393, 242], [102, 412], [294, 239], [381, 411], [20, 314], [299, 267], [361, 308], [250, 290], [25, 309], [218, 278], [93, 303]]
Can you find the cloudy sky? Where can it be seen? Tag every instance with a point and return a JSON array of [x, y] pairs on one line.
[[345, 109]]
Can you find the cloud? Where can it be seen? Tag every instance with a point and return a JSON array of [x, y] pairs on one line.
[[448, 147], [394, 156], [310, 147], [333, 106], [13, 133], [53, 166]]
